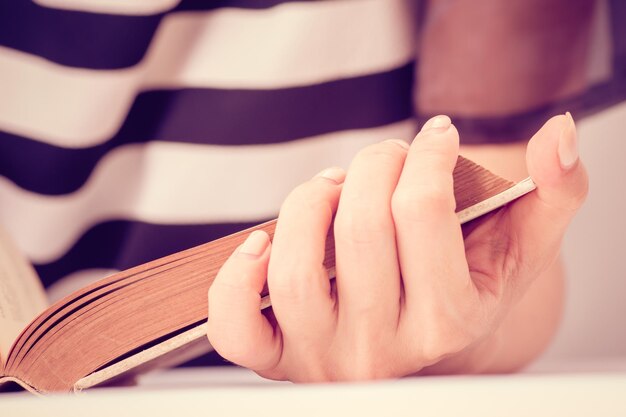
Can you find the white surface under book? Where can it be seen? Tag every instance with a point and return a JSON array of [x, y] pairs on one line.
[[561, 389]]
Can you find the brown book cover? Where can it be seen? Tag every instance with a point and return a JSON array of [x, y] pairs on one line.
[[154, 315]]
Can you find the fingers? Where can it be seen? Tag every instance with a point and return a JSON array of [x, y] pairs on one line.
[[438, 289], [368, 279], [405, 297], [298, 282], [236, 327], [540, 219], [430, 242]]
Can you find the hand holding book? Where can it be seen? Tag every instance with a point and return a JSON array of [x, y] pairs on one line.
[[411, 290], [408, 290]]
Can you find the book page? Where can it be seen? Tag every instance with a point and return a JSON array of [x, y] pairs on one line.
[[22, 296]]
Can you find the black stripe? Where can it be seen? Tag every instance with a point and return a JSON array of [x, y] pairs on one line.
[[77, 39], [239, 4], [224, 117], [617, 14], [122, 244], [522, 126], [92, 40]]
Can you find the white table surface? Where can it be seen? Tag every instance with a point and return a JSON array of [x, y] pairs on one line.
[[585, 388]]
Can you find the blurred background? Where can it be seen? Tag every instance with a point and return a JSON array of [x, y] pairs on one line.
[[113, 114], [594, 250]]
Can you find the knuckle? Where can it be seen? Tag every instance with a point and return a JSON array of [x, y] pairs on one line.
[[233, 345], [443, 337], [294, 287], [403, 204], [307, 197], [568, 196], [236, 348], [363, 224], [383, 152], [436, 344], [227, 289], [423, 203]]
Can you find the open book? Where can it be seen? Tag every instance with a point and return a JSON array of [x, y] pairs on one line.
[[152, 315]]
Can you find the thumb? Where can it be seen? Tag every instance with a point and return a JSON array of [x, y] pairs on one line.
[[539, 220]]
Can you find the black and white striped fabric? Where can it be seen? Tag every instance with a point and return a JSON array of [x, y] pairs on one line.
[[133, 129]]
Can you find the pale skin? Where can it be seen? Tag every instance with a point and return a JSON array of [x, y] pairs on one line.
[[413, 294]]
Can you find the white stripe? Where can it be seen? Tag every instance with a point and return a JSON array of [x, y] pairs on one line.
[[62, 106], [293, 44], [175, 183], [124, 7], [289, 45]]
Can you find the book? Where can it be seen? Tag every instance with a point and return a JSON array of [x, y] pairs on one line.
[[153, 315]]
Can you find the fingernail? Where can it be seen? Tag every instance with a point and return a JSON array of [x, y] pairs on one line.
[[255, 244], [568, 144], [334, 174], [437, 124]]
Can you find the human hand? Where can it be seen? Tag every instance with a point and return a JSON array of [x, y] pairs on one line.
[[410, 288]]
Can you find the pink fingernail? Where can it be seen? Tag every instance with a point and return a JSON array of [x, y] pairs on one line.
[[437, 124], [568, 144], [255, 244]]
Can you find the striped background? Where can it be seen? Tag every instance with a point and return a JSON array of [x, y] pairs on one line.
[[129, 130]]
